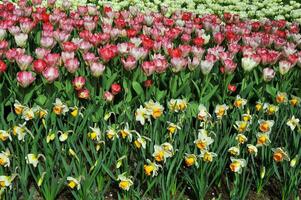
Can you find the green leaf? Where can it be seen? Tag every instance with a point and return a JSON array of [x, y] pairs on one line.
[[271, 90], [41, 99], [138, 89], [210, 94]]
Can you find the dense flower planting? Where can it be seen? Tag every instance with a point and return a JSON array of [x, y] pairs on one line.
[[142, 105]]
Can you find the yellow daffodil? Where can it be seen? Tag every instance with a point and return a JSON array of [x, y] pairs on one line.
[[74, 111], [177, 105], [241, 139], [172, 128], [151, 168], [247, 117], [124, 182], [4, 135], [270, 109], [18, 107], [239, 102], [28, 114], [95, 134], [203, 114], [281, 97], [207, 156], [64, 135], [5, 181], [142, 114], [203, 140], [126, 133], [72, 153], [234, 151], [252, 149], [293, 123], [33, 159], [258, 106], [237, 165], [280, 155], [140, 141], [263, 139], [162, 152], [155, 108], [4, 158], [241, 126], [20, 131], [221, 110], [73, 183], [111, 133], [294, 101], [265, 126], [60, 108], [190, 160], [50, 137], [294, 161]]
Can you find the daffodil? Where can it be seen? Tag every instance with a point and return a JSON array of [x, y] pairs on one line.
[[234, 151], [4, 135], [42, 113], [95, 134], [203, 114], [258, 106], [20, 131], [203, 140], [241, 126], [151, 168], [64, 135], [270, 109], [142, 114], [237, 165], [124, 182], [263, 139], [111, 133], [265, 126], [221, 110], [50, 137], [140, 141], [247, 117], [75, 111], [162, 152], [190, 160], [60, 108], [241, 139], [172, 128], [281, 97], [73, 182], [33, 159], [5, 181], [28, 113], [18, 107], [177, 105], [155, 108], [294, 101], [239, 102], [207, 156], [252, 149], [280, 155], [4, 158], [126, 133], [293, 123], [72, 153]]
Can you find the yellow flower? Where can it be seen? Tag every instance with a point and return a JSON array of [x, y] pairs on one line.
[[237, 165], [137, 144], [60, 108], [270, 109], [125, 182], [247, 117], [191, 159], [72, 182], [177, 105], [28, 113], [140, 141], [74, 111], [162, 152], [294, 161], [252, 149], [294, 101], [42, 113], [234, 151], [151, 168], [203, 140], [95, 135], [241, 126], [281, 97], [221, 110], [21, 131], [18, 107], [265, 125], [4, 158], [280, 155], [172, 128], [111, 133], [33, 159], [207, 156], [258, 106], [4, 135], [142, 114], [5, 181], [263, 139], [240, 102], [126, 133], [155, 108], [241, 139], [50, 137]]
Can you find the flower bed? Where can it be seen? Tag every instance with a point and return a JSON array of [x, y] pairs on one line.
[[147, 105]]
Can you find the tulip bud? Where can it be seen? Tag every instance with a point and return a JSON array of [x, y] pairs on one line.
[[3, 66], [268, 74], [108, 96], [284, 66], [232, 88], [115, 89], [294, 162], [148, 83]]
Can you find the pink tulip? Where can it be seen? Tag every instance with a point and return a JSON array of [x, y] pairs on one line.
[[25, 78], [24, 61], [178, 64], [129, 63], [79, 82], [108, 96], [148, 68], [51, 74], [160, 63], [83, 93], [268, 74], [97, 69], [230, 66], [72, 65], [284, 66], [41, 52], [39, 65]]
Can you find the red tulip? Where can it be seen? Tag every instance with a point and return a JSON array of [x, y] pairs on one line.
[[3, 66], [39, 65], [115, 88], [232, 88]]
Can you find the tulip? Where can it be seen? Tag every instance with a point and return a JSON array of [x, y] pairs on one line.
[[41, 52], [97, 69], [72, 65], [83, 93], [206, 66], [160, 63], [268, 74], [248, 63], [232, 88], [52, 59], [284, 66], [51, 74], [2, 34], [24, 61], [230, 66], [39, 65], [79, 82], [25, 78], [108, 96], [178, 64], [47, 42], [115, 88], [3, 67], [129, 63], [148, 83], [148, 68], [21, 39]]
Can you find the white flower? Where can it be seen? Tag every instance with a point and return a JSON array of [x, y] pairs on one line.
[[293, 123], [33, 159]]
